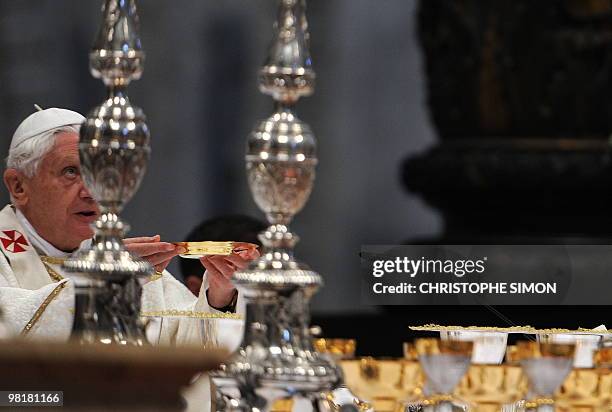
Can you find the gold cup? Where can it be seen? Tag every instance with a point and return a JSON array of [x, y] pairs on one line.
[[603, 358], [512, 355], [434, 346], [603, 362], [492, 386], [410, 352], [537, 350], [384, 383], [338, 348], [581, 391]]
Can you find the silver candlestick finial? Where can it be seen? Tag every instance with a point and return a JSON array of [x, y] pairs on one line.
[[114, 149]]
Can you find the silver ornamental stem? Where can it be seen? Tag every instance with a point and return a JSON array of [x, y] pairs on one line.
[[114, 150], [276, 358]]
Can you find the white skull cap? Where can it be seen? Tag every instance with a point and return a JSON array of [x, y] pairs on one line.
[[44, 121]]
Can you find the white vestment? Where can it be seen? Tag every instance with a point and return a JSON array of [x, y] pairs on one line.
[[37, 296]]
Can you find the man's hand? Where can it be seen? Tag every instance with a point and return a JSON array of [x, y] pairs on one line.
[[157, 253], [220, 270]]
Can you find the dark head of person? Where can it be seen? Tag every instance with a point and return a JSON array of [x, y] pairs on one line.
[[237, 228]]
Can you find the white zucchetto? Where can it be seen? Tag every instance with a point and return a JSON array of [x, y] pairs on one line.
[[43, 121]]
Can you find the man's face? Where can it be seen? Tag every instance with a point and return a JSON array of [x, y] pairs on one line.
[[56, 202]]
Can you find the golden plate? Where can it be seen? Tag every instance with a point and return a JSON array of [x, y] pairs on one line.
[[196, 250], [513, 329]]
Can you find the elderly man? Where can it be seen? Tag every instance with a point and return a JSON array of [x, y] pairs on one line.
[[50, 216]]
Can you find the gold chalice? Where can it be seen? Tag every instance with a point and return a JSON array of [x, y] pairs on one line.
[[603, 364], [485, 381], [603, 358], [336, 347]]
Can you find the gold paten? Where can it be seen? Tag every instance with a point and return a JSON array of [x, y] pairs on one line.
[[214, 248], [511, 329]]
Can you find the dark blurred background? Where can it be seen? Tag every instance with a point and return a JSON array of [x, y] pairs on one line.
[[469, 121]]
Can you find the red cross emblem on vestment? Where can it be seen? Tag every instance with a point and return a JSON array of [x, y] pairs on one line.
[[13, 241]]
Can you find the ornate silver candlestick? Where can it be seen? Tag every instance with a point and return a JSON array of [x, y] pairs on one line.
[[114, 150], [276, 358]]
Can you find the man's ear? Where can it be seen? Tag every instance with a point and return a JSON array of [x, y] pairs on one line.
[[16, 184]]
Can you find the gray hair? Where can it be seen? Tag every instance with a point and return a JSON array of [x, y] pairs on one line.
[[26, 157]]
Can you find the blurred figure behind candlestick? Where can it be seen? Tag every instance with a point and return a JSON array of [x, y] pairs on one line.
[[238, 228]]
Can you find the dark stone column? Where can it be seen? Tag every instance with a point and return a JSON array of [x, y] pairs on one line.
[[520, 94]]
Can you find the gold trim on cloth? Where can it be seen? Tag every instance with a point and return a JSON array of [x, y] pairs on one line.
[[191, 314], [41, 309], [52, 260], [53, 273]]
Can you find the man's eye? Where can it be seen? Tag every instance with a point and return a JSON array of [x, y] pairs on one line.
[[70, 172]]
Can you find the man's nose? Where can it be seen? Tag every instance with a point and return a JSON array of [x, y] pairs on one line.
[[83, 192]]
